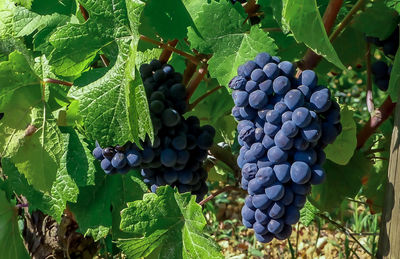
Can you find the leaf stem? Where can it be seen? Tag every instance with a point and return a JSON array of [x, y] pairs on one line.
[[166, 53], [196, 80], [216, 193], [56, 81], [370, 99], [345, 230], [190, 57], [381, 114], [201, 98]]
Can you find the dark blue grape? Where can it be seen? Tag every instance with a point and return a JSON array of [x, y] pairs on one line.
[[301, 144], [289, 129], [292, 215], [159, 76], [266, 87], [106, 164], [170, 117], [308, 156], [286, 116], [98, 153], [261, 217], [275, 226], [182, 157], [282, 172], [133, 157], [265, 176], [238, 83], [275, 192], [254, 187], [170, 176], [240, 98], [288, 197], [271, 70], [147, 155], [294, 99], [119, 160], [308, 78], [277, 155], [299, 201], [205, 141], [260, 228], [320, 100], [258, 99], [247, 224], [261, 201], [168, 157], [281, 85], [317, 175], [276, 210], [248, 113], [179, 142], [246, 69], [300, 172], [271, 129], [273, 117], [312, 132], [249, 171], [248, 214], [276, 59], [329, 133], [287, 68], [236, 113], [266, 238], [145, 70], [153, 188], [243, 124], [302, 189], [262, 59], [268, 142], [185, 177], [251, 86], [301, 117], [264, 162], [285, 233], [280, 107], [258, 75], [306, 91], [108, 152], [282, 141]]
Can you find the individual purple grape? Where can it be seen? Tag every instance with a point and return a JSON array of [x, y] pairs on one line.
[[265, 176], [276, 59], [329, 133], [277, 155], [262, 59], [248, 214], [301, 117], [300, 172], [285, 233], [281, 85], [98, 153], [168, 157], [271, 70], [170, 176], [261, 217], [317, 175], [249, 171], [300, 143], [251, 86], [119, 160], [255, 187], [259, 134], [240, 98], [280, 107], [249, 202], [236, 113], [292, 215], [133, 157], [106, 164], [246, 69], [247, 224], [266, 238], [306, 91], [260, 228], [185, 176], [320, 100], [282, 141], [271, 129], [282, 172], [275, 192], [268, 142], [261, 201], [276, 210], [289, 129], [247, 113], [266, 87], [287, 68], [312, 132], [308, 78], [294, 99], [258, 99], [288, 197], [308, 156], [286, 116], [258, 75], [273, 117], [264, 162], [275, 226], [302, 189], [238, 83]]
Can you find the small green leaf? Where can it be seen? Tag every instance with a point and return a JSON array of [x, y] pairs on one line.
[[307, 214], [169, 221], [304, 20], [11, 243], [342, 150]]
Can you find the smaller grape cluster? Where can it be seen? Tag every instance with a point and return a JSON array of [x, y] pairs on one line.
[[180, 146], [380, 70], [284, 125]]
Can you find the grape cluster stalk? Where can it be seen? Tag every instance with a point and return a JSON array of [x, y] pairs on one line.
[[380, 69], [284, 123], [176, 155]]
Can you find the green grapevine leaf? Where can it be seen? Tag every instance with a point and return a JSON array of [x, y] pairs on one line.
[[377, 21], [169, 221], [307, 214], [11, 243], [342, 150], [304, 20]]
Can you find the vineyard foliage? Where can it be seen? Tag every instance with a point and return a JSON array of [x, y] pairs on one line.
[[69, 76]]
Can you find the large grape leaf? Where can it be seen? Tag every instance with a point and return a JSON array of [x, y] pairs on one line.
[[341, 181], [231, 42], [305, 22], [345, 144], [11, 245], [30, 134], [170, 225], [107, 198], [378, 20], [76, 45]]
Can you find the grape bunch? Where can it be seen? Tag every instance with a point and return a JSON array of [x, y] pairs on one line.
[[180, 146], [284, 125], [381, 72]]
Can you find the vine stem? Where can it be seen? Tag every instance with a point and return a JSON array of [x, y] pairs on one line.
[[196, 80], [370, 99], [166, 53], [381, 114], [190, 57], [311, 59], [189, 72], [345, 230], [201, 98], [216, 193], [56, 81]]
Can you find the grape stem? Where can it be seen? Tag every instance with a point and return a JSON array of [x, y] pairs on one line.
[[85, 16], [190, 57], [166, 53], [381, 114], [370, 99], [201, 98], [214, 194], [189, 72], [196, 80], [345, 230], [56, 81]]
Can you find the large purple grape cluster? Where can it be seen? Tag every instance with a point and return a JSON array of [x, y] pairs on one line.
[[284, 125], [180, 147]]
